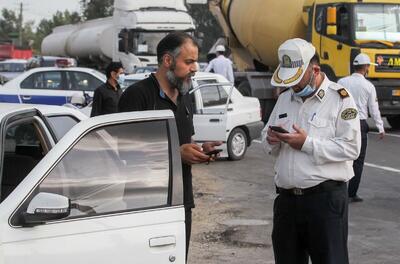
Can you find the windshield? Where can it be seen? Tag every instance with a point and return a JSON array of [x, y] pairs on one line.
[[12, 67], [145, 43], [377, 22]]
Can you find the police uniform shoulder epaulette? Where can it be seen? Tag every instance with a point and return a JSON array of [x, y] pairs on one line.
[[343, 93]]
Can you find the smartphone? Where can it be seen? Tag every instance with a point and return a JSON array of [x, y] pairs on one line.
[[213, 152], [278, 129]]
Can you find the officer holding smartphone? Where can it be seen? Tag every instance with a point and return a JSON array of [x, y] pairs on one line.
[[313, 160]]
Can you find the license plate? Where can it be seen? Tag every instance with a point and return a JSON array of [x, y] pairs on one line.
[[395, 92]]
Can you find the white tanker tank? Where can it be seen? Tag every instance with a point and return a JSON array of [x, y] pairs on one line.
[[130, 36]]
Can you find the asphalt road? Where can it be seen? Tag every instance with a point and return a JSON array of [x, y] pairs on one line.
[[233, 215]]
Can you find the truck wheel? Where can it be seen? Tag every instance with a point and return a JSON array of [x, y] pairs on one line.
[[394, 121], [237, 144], [244, 88]]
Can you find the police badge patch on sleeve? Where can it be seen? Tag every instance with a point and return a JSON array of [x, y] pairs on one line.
[[349, 113]]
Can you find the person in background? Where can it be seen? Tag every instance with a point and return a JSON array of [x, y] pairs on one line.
[[106, 96], [221, 64], [364, 94]]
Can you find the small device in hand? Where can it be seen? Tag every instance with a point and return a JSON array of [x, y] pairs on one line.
[[213, 152], [278, 129]]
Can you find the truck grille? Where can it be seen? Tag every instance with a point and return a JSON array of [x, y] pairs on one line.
[[387, 63]]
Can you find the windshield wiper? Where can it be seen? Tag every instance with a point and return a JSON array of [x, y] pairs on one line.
[[375, 41]]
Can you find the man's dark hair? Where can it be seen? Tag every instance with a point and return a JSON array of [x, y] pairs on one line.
[[172, 43], [113, 67], [315, 59], [359, 67]]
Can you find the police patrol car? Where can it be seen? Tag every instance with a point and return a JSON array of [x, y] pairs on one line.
[[51, 85], [83, 197]]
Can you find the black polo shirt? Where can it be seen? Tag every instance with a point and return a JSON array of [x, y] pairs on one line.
[[105, 100], [147, 95]]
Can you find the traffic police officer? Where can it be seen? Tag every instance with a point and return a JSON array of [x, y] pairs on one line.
[[364, 94], [221, 65], [313, 160]]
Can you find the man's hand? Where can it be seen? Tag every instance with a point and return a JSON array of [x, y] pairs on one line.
[[272, 137], [381, 135], [192, 154], [295, 140], [210, 146]]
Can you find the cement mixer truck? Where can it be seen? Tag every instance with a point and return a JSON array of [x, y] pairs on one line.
[[131, 35], [339, 30]]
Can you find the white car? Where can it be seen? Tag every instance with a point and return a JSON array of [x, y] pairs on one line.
[[107, 191], [221, 113], [11, 68], [51, 85]]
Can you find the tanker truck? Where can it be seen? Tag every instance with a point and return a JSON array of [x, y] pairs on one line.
[[130, 36], [339, 30]]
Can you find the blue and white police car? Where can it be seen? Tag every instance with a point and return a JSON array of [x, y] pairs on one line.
[[51, 85]]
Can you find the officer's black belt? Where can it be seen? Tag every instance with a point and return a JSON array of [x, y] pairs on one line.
[[325, 186]]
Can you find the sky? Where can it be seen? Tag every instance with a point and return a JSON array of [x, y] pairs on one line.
[[36, 10]]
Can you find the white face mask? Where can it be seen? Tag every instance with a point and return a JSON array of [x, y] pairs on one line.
[[121, 79]]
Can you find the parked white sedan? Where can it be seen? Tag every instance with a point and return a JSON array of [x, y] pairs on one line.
[[107, 191]]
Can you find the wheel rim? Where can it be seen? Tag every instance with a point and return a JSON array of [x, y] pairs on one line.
[[238, 144]]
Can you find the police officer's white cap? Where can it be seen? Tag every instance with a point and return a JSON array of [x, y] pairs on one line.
[[362, 59], [294, 58], [220, 48]]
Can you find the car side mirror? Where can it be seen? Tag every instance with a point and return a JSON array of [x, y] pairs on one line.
[[78, 100], [46, 207]]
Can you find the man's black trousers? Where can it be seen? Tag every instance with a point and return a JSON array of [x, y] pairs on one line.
[[311, 226], [358, 164]]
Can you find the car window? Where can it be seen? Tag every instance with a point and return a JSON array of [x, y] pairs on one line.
[[62, 124], [82, 81], [113, 169], [43, 80], [22, 150], [212, 95], [12, 67]]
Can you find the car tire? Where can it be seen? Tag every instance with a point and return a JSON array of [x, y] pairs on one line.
[[237, 144]]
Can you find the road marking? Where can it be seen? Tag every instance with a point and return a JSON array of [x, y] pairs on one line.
[[387, 134], [382, 167], [257, 141]]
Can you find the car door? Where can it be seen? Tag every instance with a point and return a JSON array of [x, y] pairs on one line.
[[110, 191], [82, 82], [210, 116], [44, 87]]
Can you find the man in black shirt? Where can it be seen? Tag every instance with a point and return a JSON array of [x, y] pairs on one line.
[[177, 56], [106, 97]]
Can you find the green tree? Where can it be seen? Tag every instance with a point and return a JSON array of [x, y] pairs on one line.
[[97, 8], [206, 26], [45, 26], [9, 28]]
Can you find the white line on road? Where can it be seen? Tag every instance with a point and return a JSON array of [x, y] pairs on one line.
[[382, 167], [257, 141], [387, 134]]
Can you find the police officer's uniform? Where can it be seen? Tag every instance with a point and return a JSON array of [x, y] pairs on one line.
[[221, 65], [310, 212], [364, 94]]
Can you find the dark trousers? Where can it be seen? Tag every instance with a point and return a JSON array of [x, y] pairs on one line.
[[311, 226], [358, 164], [188, 226]]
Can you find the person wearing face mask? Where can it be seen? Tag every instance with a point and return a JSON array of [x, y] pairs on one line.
[[313, 159], [177, 55], [364, 94], [106, 96]]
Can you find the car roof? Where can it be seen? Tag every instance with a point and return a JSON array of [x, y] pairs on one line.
[[8, 108], [14, 61], [141, 76]]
